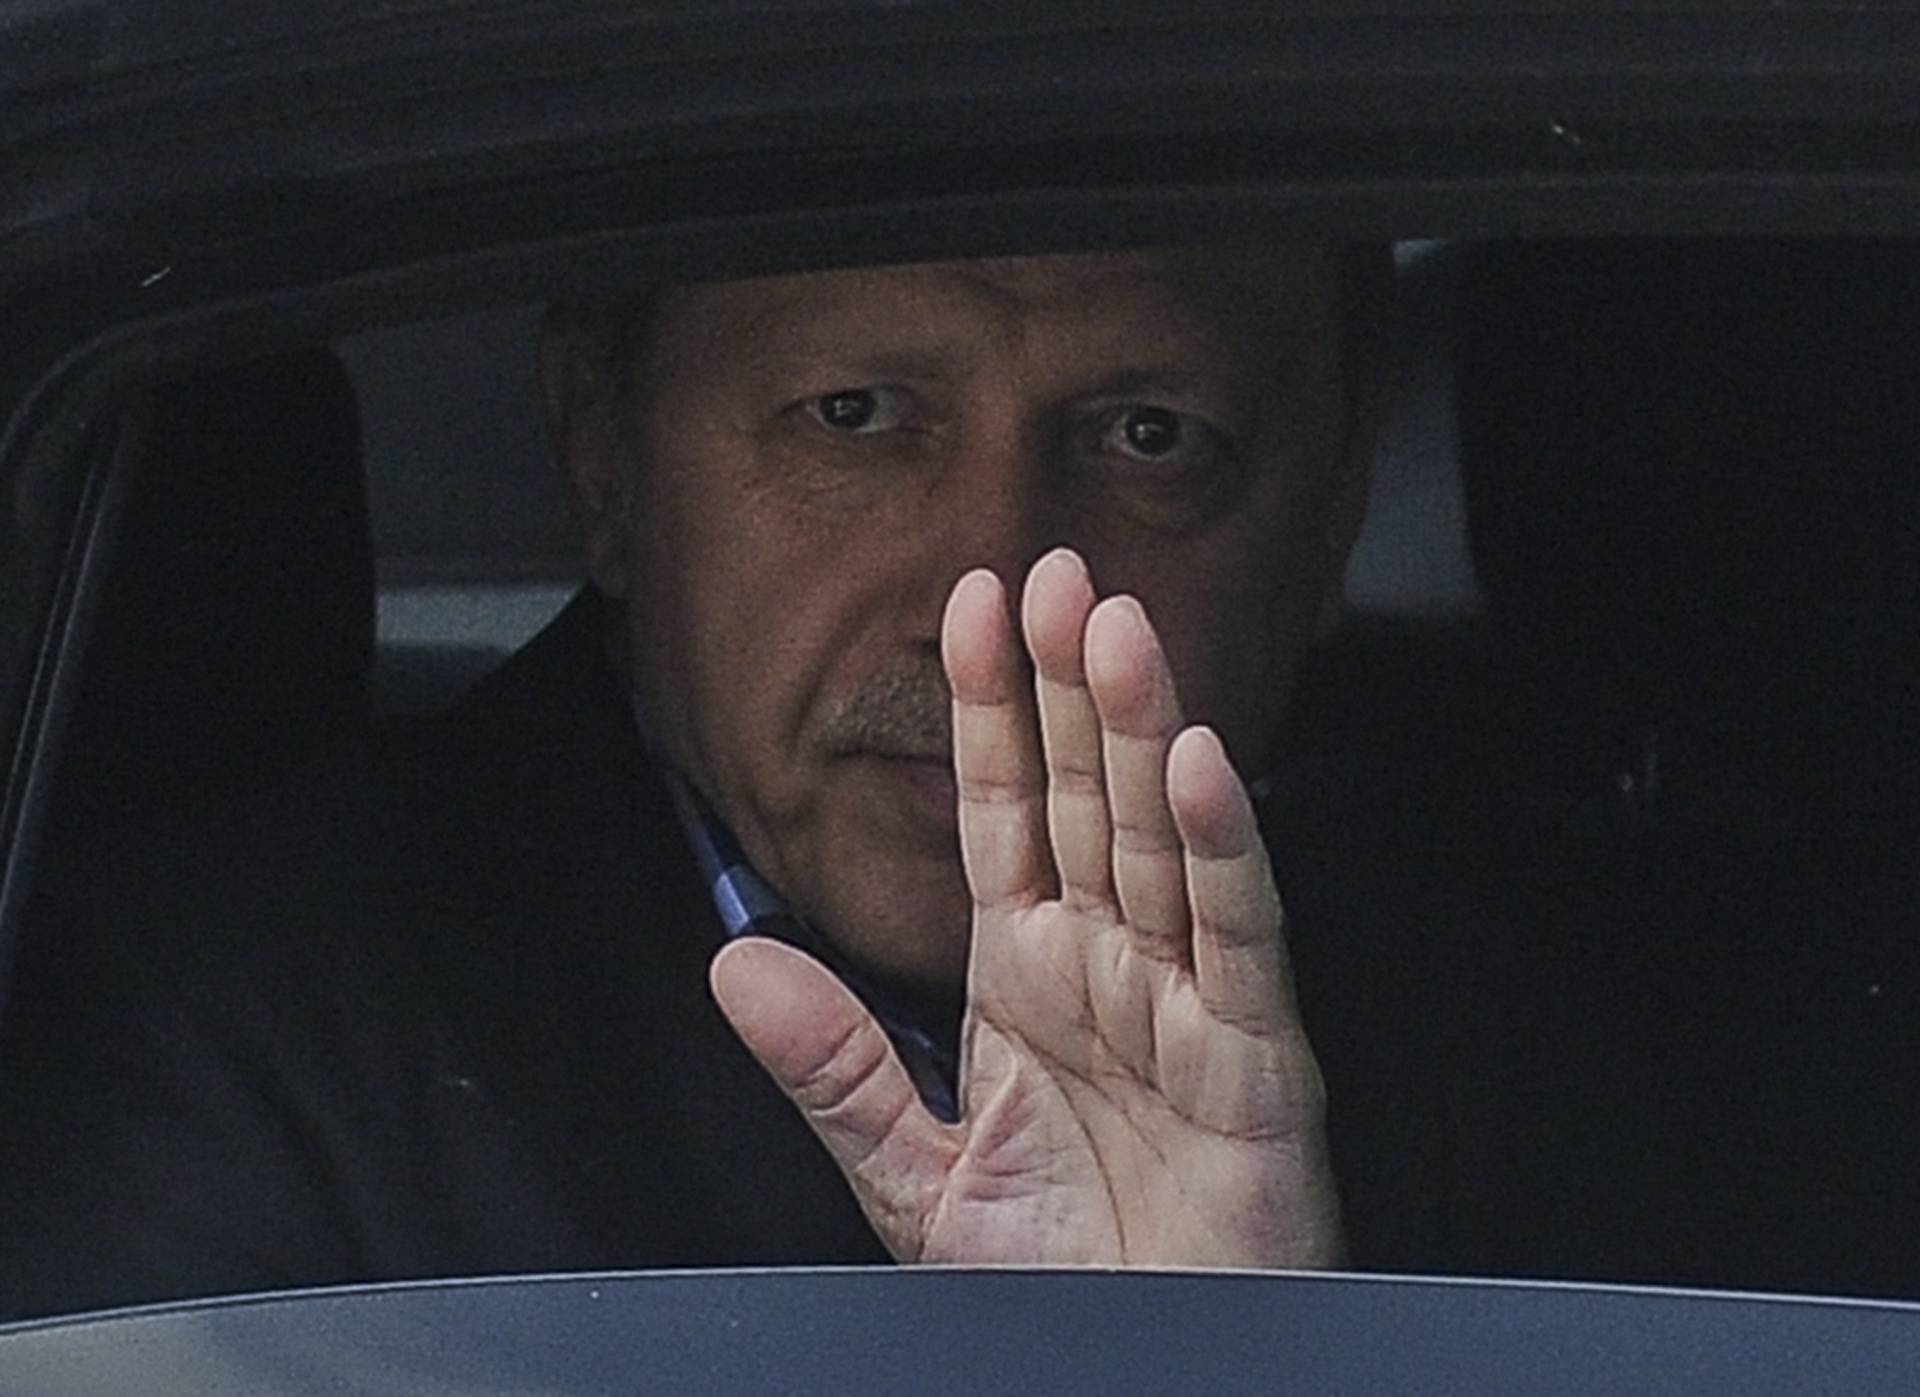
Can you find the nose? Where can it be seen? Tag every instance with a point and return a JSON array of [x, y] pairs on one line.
[[989, 506]]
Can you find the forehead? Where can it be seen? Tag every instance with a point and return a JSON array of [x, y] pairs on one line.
[[1203, 287]]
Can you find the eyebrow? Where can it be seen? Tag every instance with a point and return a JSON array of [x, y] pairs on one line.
[[796, 323], [904, 363], [1172, 378]]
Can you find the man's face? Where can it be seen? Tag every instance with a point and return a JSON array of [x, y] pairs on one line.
[[808, 463]]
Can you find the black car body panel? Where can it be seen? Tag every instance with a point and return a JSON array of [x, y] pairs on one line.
[[969, 1332], [189, 183]]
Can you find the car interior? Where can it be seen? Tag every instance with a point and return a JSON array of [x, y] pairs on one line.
[[359, 531], [1629, 663], [1594, 824]]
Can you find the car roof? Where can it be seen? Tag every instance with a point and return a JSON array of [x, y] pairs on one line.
[[155, 155]]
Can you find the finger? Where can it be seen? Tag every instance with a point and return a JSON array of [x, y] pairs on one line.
[[832, 1059], [996, 761], [1139, 715], [1239, 955], [1054, 610]]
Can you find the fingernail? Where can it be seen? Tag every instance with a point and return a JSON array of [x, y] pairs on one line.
[[1201, 733], [975, 580], [1129, 606], [1062, 556]]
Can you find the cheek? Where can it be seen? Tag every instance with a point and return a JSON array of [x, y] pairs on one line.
[[696, 586], [1234, 630], [1221, 652], [724, 632], [743, 610]]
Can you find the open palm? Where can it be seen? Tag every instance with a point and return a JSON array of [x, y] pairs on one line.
[[1136, 1088]]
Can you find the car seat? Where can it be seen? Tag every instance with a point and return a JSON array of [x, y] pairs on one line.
[[234, 628], [1692, 503], [1691, 491]]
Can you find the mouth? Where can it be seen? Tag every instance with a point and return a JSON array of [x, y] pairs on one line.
[[920, 786]]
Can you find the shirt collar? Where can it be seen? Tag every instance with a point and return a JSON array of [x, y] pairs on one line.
[[748, 905]]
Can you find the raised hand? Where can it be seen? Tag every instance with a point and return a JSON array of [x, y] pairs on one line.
[[1136, 1087]]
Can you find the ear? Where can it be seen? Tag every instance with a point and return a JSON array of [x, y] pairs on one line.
[[583, 407]]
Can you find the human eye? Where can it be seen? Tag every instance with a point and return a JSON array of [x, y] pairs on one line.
[[1170, 467], [859, 412], [830, 440], [1149, 434]]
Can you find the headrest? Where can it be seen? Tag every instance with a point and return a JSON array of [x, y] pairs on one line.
[[1690, 472], [236, 621]]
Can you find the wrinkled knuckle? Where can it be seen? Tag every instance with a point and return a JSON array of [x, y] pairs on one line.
[[1140, 840], [1255, 1021], [852, 1060], [1077, 781], [980, 788], [1306, 1084]]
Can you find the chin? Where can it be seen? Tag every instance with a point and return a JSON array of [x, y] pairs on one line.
[[887, 883], [917, 933]]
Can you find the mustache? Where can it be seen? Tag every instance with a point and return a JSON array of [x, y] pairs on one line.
[[899, 713]]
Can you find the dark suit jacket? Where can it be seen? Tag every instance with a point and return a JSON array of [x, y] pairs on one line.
[[438, 1007]]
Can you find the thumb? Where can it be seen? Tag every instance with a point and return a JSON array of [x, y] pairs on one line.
[[832, 1059]]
